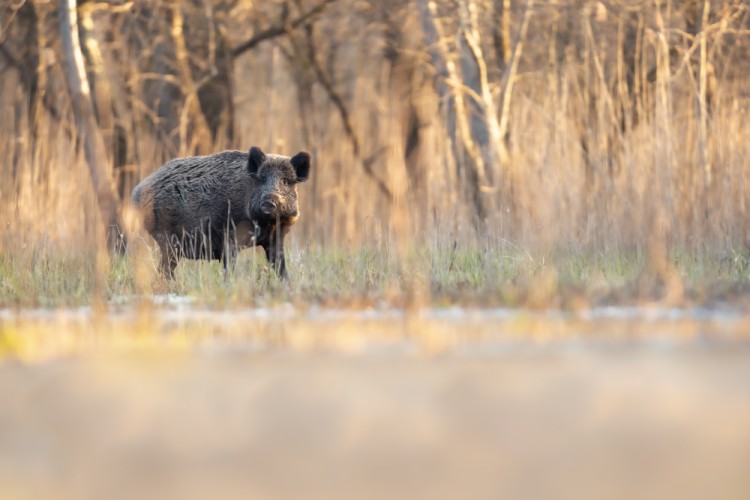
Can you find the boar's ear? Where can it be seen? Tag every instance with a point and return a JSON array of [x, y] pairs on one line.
[[256, 159], [301, 164]]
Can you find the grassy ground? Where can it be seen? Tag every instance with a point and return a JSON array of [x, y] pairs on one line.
[[366, 276]]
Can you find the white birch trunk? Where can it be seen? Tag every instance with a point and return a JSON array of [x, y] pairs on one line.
[[99, 164]]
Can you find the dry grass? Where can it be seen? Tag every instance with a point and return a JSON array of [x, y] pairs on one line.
[[368, 278]]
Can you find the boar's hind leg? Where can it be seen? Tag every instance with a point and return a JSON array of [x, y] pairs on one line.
[[168, 257], [168, 263]]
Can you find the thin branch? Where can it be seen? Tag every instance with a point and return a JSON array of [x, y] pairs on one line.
[[510, 75], [14, 62], [323, 79], [4, 30], [280, 29], [338, 102]]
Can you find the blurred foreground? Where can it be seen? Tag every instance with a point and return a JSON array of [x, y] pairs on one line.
[[179, 402]]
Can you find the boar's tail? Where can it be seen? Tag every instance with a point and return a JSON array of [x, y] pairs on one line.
[[136, 196], [142, 194], [142, 198]]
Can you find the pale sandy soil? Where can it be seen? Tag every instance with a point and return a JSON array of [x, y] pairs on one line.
[[183, 403]]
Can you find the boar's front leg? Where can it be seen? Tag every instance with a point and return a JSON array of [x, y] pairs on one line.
[[275, 255], [274, 248]]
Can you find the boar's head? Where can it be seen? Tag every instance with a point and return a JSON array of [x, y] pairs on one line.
[[276, 178]]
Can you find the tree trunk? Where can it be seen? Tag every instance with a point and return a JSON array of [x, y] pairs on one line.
[[403, 95], [109, 91], [469, 164], [508, 82], [194, 133], [485, 128], [87, 129]]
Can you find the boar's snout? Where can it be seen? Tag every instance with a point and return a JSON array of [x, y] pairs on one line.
[[269, 204]]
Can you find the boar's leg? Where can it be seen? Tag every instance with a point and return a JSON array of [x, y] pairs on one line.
[[168, 263], [276, 259], [274, 248], [168, 257]]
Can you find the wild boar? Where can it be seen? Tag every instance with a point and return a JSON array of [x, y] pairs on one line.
[[210, 207]]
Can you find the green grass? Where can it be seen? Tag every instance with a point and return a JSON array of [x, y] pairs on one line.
[[367, 276]]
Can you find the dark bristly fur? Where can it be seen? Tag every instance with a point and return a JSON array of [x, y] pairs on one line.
[[210, 207]]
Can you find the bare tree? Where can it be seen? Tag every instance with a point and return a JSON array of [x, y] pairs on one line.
[[501, 32], [403, 89], [83, 110], [484, 126], [469, 165], [509, 78], [282, 27], [307, 50], [191, 116]]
